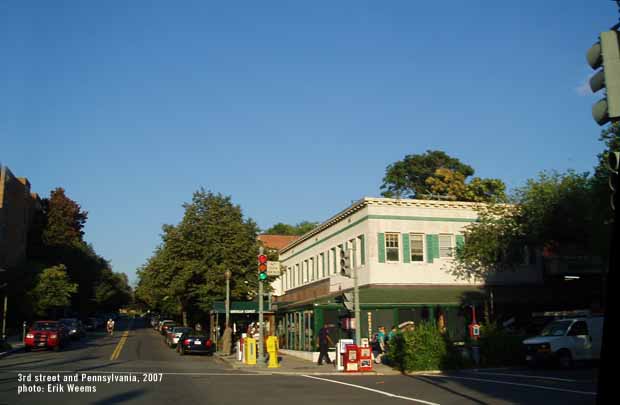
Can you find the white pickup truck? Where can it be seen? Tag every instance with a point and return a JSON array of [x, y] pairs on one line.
[[566, 340]]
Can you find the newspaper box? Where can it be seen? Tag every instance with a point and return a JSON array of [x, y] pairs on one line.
[[240, 350], [340, 349], [365, 358], [351, 359]]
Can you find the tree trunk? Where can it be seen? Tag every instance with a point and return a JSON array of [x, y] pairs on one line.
[[184, 317]]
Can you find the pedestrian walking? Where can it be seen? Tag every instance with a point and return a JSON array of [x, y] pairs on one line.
[[324, 342], [379, 344]]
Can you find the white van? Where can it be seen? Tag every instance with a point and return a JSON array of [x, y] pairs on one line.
[[566, 340]]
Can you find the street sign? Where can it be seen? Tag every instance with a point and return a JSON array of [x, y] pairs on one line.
[[273, 268]]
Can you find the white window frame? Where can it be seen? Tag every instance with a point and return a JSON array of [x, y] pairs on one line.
[[411, 235], [450, 248], [394, 237]]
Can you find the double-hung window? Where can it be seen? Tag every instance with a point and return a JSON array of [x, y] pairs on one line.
[[391, 247], [446, 246], [416, 243]]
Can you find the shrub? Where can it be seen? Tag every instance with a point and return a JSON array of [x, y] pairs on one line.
[[500, 348], [424, 348]]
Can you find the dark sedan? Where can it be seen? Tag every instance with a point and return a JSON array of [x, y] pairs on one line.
[[195, 342]]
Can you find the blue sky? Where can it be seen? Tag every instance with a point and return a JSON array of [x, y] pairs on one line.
[[292, 108]]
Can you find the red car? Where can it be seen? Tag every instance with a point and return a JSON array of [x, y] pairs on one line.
[[45, 334]]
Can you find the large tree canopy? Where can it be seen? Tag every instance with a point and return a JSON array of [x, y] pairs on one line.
[[186, 272], [53, 290], [435, 174], [286, 229], [563, 214]]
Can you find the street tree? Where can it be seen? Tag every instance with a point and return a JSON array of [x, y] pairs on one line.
[[187, 270], [53, 290]]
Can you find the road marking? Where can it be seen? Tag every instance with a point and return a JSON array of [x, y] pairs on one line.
[[372, 390], [132, 372], [119, 346], [542, 387], [529, 376]]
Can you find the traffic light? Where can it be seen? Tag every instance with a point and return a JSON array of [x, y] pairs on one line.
[[345, 262], [345, 299], [262, 267], [606, 54], [613, 164]]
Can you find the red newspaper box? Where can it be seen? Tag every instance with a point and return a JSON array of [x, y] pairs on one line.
[[351, 356], [365, 358]]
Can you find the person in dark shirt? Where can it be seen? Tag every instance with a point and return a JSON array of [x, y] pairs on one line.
[[324, 342]]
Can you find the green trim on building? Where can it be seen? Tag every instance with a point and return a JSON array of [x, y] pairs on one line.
[[460, 241], [375, 216], [429, 248], [406, 248], [424, 219], [381, 246], [362, 250]]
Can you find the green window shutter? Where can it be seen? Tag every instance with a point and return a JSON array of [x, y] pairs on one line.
[[436, 246], [460, 241], [323, 265], [406, 248], [429, 248], [362, 250], [381, 246], [334, 270]]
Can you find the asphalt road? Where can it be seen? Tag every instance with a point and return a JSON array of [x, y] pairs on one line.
[[157, 375]]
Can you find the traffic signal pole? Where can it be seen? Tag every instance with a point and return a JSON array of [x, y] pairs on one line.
[[261, 357], [356, 299]]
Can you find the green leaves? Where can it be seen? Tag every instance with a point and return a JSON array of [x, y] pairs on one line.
[[285, 229], [435, 174], [53, 289], [189, 265]]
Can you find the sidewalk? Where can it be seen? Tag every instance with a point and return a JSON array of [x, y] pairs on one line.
[[16, 345], [295, 366]]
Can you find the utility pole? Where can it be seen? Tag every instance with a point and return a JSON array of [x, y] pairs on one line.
[[227, 274], [356, 298], [261, 357]]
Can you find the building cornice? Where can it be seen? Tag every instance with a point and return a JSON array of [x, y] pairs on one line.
[[380, 202]]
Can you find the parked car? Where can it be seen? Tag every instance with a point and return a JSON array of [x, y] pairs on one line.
[[74, 327], [160, 324], [173, 335], [195, 342], [167, 325], [46, 334], [565, 341]]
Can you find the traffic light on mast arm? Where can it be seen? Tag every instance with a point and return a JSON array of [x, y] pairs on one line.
[[262, 267], [345, 262], [606, 54]]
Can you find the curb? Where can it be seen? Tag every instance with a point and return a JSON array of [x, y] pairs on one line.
[[17, 349], [249, 369]]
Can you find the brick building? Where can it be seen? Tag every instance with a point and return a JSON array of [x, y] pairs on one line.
[[17, 207]]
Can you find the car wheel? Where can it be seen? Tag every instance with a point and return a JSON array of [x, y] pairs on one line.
[[56, 348], [27, 348], [565, 359]]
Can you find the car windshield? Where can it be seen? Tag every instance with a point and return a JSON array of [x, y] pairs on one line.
[[556, 328], [45, 326], [181, 330]]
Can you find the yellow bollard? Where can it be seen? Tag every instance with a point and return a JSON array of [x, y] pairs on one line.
[[272, 349], [250, 351]]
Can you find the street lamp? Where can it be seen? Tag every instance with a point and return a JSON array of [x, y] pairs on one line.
[[227, 274]]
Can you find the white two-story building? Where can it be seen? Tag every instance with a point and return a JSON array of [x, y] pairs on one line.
[[403, 251]]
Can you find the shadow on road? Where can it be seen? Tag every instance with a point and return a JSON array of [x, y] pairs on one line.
[[443, 387], [121, 398]]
